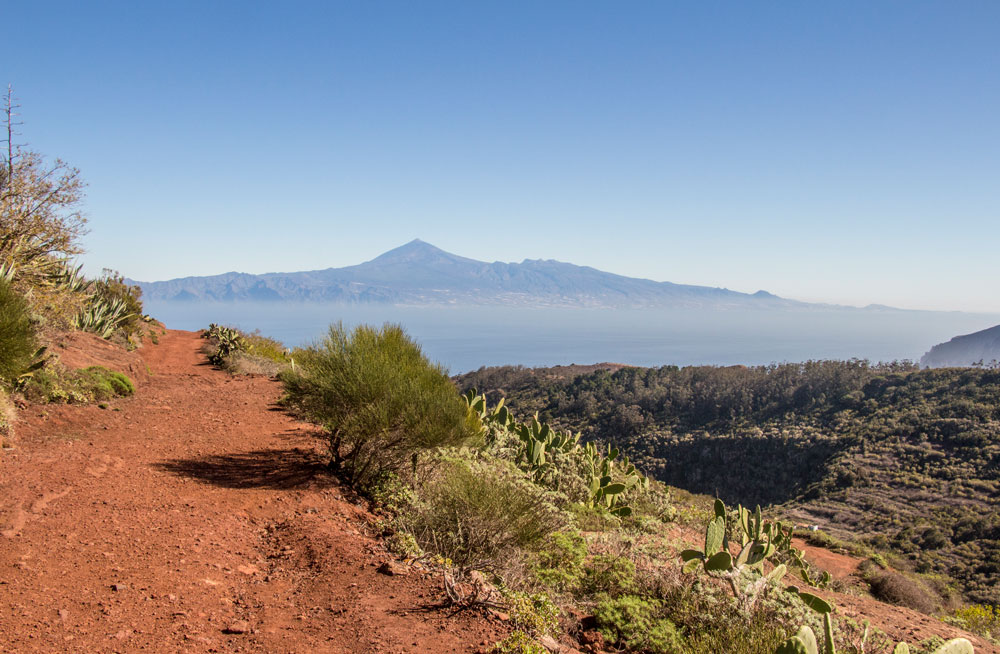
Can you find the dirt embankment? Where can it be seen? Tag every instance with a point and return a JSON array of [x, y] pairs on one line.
[[196, 517], [83, 349]]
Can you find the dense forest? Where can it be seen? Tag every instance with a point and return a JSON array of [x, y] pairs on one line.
[[905, 459]]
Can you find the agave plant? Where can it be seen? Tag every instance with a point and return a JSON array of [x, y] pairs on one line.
[[7, 272], [65, 277], [102, 317]]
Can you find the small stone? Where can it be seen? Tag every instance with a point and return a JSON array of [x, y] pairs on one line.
[[237, 627], [550, 643], [118, 587]]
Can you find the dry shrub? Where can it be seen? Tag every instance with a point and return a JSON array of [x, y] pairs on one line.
[[245, 363], [241, 353], [895, 588], [482, 514], [55, 308], [267, 347]]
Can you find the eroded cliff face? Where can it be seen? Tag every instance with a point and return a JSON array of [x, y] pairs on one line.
[[966, 350]]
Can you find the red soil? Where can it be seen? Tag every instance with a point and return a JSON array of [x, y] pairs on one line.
[[191, 511], [840, 566], [83, 349]]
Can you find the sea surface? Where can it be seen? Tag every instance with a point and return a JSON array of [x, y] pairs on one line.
[[468, 337]]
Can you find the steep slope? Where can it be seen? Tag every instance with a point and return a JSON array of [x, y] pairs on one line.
[[905, 459], [419, 273], [967, 350], [195, 518]]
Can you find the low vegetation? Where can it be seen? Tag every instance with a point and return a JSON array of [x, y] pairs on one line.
[[981, 619], [902, 460], [242, 353], [112, 309], [479, 513], [539, 522], [60, 385]]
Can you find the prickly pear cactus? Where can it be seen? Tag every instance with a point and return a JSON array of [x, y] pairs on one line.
[[804, 642]]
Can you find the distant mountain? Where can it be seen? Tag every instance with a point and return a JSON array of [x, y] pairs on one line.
[[965, 350], [419, 273]]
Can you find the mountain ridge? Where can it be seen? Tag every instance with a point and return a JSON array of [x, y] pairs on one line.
[[420, 273]]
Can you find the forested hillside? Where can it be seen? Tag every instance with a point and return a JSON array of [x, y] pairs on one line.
[[906, 459]]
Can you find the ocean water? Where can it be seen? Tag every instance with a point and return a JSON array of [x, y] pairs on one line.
[[465, 338]]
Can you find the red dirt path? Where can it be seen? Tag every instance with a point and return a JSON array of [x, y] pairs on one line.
[[191, 508]]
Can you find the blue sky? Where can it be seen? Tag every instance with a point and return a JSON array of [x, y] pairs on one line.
[[843, 152]]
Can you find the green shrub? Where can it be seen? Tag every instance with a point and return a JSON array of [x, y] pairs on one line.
[[613, 575], [105, 384], [754, 634], [559, 562], [389, 493], [379, 398], [589, 518], [99, 383], [518, 642], [403, 544], [635, 623], [534, 614], [57, 384], [981, 619], [481, 514], [17, 337], [712, 621]]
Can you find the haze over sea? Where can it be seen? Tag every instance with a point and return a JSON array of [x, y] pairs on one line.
[[464, 338]]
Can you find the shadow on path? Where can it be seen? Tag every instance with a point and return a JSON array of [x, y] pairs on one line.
[[278, 469]]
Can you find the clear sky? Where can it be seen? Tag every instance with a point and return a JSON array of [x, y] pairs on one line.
[[842, 152]]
